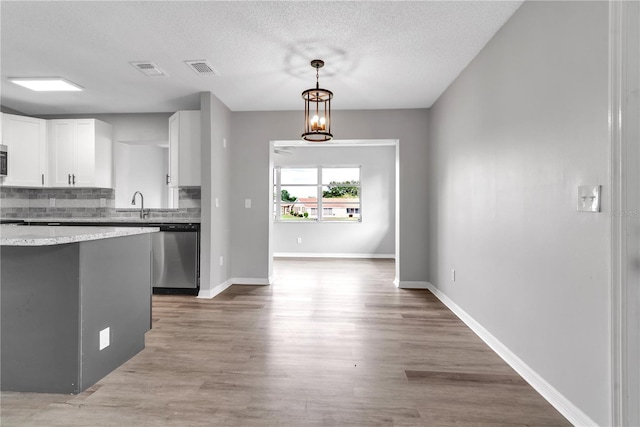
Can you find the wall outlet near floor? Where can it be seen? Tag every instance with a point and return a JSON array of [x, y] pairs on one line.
[[105, 338], [221, 260], [453, 275], [247, 203], [103, 202], [52, 202], [224, 142], [299, 240]]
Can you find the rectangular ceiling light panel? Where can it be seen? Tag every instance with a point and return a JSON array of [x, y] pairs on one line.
[[46, 84]]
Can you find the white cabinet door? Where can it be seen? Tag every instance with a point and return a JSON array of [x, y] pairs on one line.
[[174, 147], [62, 152], [184, 149], [85, 153], [190, 142], [80, 153], [25, 138]]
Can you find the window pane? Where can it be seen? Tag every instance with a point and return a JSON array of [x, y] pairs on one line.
[[299, 203], [298, 191], [340, 209], [351, 175], [299, 175], [340, 191]]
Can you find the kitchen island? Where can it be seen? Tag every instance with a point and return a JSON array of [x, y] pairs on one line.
[[75, 304]]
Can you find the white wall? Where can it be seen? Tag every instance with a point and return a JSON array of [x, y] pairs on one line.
[[121, 156], [375, 234], [252, 132], [510, 142], [140, 167]]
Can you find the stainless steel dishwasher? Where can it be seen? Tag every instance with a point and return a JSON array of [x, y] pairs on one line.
[[176, 259]]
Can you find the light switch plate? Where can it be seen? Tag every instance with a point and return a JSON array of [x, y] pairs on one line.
[[589, 198], [105, 338]]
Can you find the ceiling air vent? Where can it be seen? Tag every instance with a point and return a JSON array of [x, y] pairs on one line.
[[149, 69], [202, 68]]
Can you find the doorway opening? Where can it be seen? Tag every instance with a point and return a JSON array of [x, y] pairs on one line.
[[337, 199]]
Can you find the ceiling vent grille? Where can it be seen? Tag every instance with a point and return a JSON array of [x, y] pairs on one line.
[[202, 68], [149, 69]]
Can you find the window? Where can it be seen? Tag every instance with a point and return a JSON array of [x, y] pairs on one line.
[[305, 192]]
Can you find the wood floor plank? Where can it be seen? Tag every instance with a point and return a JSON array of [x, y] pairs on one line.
[[330, 343]]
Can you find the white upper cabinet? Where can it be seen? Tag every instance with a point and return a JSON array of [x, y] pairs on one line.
[[80, 153], [26, 141], [184, 149]]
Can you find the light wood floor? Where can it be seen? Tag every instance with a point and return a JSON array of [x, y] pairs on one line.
[[331, 343]]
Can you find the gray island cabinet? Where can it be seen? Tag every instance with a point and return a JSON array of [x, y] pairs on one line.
[[75, 304]]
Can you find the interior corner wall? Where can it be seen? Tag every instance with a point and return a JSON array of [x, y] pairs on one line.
[[250, 156], [374, 235], [215, 256], [510, 141]]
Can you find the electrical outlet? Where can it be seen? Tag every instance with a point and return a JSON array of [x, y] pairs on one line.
[[103, 202], [105, 338], [221, 260], [247, 203], [217, 203], [52, 202], [224, 142], [453, 275], [299, 240]]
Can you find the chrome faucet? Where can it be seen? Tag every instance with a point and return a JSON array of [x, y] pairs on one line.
[[143, 214]]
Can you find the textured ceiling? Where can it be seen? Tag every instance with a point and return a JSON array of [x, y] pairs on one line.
[[378, 54]]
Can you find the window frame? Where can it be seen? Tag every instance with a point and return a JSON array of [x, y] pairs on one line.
[[277, 185]]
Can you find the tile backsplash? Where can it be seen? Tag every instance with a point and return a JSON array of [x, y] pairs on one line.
[[24, 203]]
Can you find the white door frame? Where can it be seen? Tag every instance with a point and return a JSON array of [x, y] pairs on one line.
[[344, 143], [624, 117]]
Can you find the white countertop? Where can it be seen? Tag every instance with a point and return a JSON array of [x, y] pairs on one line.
[[37, 235], [114, 219]]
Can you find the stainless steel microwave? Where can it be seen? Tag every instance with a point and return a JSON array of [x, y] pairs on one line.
[[3, 160]]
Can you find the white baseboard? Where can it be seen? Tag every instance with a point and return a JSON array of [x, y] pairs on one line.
[[546, 390], [402, 284], [254, 281], [210, 293], [329, 255]]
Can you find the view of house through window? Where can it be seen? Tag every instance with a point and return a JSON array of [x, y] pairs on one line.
[[317, 194]]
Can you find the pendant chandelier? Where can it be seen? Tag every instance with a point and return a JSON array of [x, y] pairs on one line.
[[317, 110]]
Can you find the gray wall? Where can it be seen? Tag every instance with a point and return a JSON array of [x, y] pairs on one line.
[[216, 182], [252, 132], [375, 234], [510, 142]]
